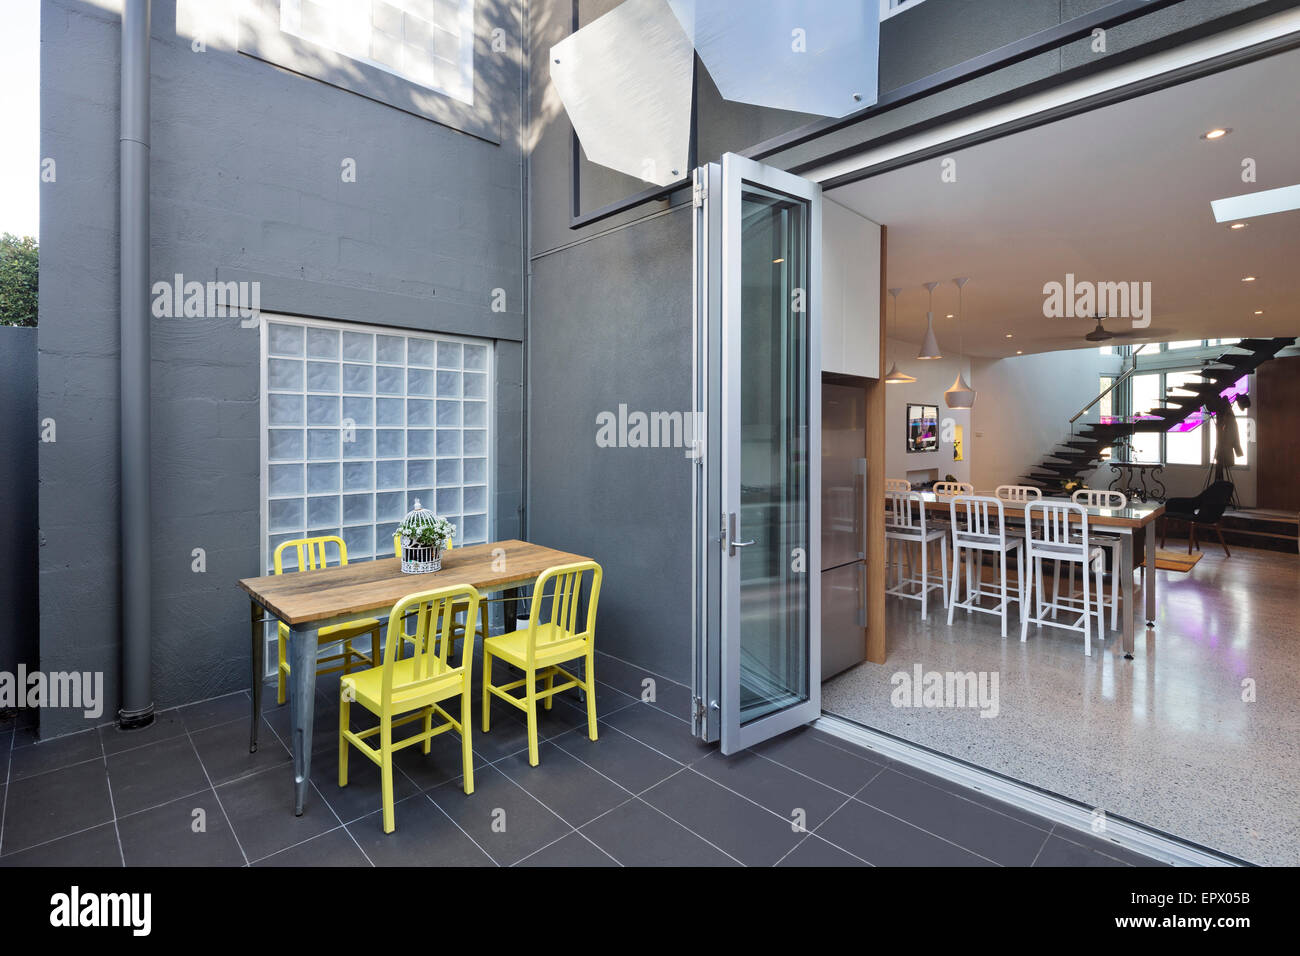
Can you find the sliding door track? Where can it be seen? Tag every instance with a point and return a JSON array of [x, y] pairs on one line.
[[1124, 833]]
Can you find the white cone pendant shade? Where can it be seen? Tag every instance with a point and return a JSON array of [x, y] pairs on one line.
[[929, 347], [895, 377], [960, 395]]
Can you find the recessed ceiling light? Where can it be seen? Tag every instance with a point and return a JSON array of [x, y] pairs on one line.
[[1248, 279], [1239, 225], [1259, 311], [948, 316], [1008, 335], [1020, 351], [1217, 133]]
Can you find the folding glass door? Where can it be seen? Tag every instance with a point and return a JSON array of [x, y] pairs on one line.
[[757, 488]]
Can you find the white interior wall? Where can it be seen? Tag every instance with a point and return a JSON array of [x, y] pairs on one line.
[[1023, 410], [933, 377]]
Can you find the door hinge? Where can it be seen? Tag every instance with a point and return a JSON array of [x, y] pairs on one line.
[[697, 712], [699, 193]]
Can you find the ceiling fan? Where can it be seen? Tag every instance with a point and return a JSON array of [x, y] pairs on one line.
[[1102, 334]]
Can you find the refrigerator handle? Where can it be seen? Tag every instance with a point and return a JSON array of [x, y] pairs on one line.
[[861, 468], [862, 596]]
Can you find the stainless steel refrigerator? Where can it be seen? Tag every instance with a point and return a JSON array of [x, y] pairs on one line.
[[844, 527]]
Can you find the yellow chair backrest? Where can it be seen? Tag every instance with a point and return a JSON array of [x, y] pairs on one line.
[[435, 612], [312, 553], [397, 546], [553, 617]]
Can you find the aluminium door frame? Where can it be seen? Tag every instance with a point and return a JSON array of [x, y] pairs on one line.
[[717, 487], [706, 493]]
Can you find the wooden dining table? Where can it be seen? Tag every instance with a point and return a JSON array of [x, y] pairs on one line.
[[1125, 522], [306, 601]]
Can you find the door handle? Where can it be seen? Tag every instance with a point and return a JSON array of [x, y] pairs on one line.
[[729, 542]]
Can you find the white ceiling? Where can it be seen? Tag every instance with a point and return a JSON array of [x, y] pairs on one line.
[[1117, 194]]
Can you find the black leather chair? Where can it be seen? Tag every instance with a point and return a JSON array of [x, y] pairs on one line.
[[1205, 510]]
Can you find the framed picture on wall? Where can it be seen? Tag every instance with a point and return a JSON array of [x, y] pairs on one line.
[[922, 428]]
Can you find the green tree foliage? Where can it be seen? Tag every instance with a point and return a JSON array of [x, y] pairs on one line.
[[18, 278]]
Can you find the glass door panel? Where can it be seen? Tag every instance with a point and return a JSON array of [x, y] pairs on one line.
[[773, 463], [758, 393]]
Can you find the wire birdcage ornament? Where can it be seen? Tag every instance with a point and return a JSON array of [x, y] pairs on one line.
[[424, 535]]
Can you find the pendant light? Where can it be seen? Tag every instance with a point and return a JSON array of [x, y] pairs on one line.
[[930, 346], [961, 395], [895, 377]]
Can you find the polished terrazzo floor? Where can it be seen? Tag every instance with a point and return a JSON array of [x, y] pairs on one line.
[[1165, 739]]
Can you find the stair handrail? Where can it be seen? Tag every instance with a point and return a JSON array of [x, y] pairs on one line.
[[1119, 379]]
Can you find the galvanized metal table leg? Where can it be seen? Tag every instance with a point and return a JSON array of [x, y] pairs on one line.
[[1149, 583], [302, 704], [258, 652], [1126, 570]]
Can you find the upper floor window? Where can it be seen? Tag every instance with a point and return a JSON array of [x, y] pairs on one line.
[[889, 7], [429, 42]]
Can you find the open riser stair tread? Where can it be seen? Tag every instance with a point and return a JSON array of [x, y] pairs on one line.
[[1180, 402]]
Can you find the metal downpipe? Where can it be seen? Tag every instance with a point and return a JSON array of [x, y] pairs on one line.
[[136, 539]]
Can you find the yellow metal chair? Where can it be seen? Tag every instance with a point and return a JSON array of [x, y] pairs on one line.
[[312, 554], [458, 628], [551, 638], [403, 690]]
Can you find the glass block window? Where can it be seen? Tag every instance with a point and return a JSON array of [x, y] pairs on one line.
[[359, 422], [429, 42]]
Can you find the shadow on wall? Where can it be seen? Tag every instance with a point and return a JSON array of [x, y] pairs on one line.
[[254, 28], [18, 498]]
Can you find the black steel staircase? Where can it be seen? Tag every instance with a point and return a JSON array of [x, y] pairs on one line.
[[1082, 451]]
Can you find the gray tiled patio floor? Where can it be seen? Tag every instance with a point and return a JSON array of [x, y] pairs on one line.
[[187, 792]]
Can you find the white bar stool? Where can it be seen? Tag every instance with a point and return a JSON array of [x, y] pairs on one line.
[[906, 525], [1018, 493], [898, 484], [1095, 498], [979, 525], [949, 488], [1062, 536]]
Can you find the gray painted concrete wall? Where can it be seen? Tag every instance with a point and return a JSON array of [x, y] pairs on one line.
[[18, 438], [600, 295], [246, 185], [617, 330]]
